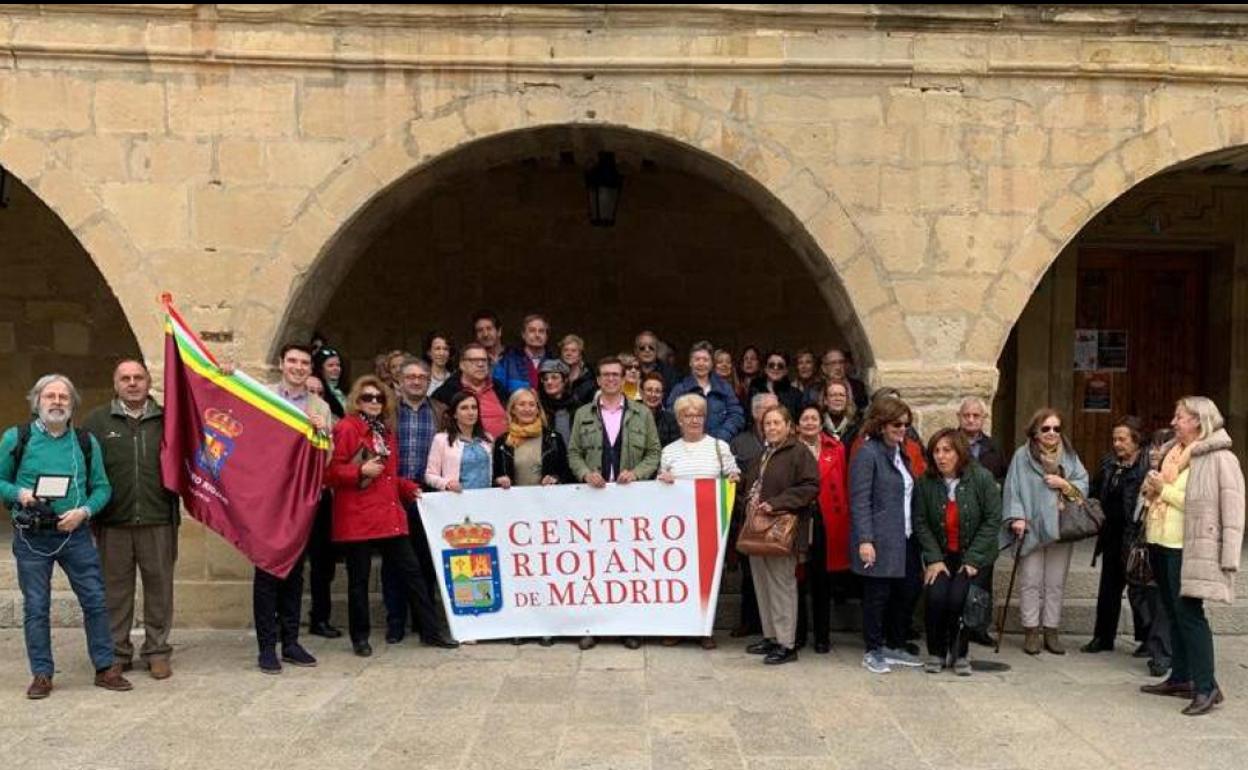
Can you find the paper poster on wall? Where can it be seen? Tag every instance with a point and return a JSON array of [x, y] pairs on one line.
[[1111, 350], [1098, 393], [1085, 350]]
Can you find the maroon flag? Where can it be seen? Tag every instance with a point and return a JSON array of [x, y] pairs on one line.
[[246, 462]]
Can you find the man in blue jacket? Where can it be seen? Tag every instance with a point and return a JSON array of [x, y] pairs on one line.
[[518, 368]]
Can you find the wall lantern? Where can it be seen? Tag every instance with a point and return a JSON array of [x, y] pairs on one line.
[[604, 183]]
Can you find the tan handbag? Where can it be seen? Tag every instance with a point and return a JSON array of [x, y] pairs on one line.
[[767, 534]]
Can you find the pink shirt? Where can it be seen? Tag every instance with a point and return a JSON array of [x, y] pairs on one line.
[[493, 413], [612, 419]]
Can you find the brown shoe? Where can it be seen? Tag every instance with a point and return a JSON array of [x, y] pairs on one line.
[[1031, 642], [159, 668], [670, 641], [1177, 689], [708, 643], [1053, 642], [40, 687], [111, 679]]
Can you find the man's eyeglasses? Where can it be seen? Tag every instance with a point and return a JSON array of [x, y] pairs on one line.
[[372, 398], [644, 346]]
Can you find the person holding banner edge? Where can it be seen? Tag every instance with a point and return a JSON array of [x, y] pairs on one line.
[[613, 439], [695, 455]]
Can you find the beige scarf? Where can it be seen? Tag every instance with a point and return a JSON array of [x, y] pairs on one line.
[[1175, 461]]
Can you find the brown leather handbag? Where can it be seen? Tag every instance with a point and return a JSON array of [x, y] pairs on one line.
[[767, 533]]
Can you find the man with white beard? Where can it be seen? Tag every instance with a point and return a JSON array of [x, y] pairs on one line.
[[53, 528]]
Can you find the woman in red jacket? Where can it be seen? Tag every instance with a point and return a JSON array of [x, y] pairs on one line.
[[368, 509], [829, 548]]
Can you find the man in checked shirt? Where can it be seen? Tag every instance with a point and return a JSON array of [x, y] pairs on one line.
[[419, 417]]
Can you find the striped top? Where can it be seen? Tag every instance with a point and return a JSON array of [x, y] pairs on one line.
[[698, 460]]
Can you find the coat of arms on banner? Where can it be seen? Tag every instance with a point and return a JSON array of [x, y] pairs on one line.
[[220, 430], [470, 568]]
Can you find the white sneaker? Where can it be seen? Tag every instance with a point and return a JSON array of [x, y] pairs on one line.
[[874, 662], [962, 667]]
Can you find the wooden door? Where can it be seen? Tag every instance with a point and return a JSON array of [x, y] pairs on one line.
[[1149, 312]]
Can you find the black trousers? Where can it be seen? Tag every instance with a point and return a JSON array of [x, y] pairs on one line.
[[400, 603], [946, 598], [1190, 636], [820, 588], [396, 551], [1113, 582], [888, 603], [321, 555], [1152, 624], [276, 604]]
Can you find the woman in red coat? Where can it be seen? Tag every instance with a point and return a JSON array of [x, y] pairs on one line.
[[829, 548], [368, 508]]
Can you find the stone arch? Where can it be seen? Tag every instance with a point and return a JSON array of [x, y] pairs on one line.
[[1066, 213], [60, 313], [120, 265], [355, 201]]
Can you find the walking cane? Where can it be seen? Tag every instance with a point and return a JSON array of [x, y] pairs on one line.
[[1018, 549]]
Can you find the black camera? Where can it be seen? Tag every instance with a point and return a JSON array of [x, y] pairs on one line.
[[37, 517]]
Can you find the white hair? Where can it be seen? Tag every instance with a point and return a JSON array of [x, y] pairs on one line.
[[43, 382]]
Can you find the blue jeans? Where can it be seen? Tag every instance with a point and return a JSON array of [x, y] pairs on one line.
[[81, 563]]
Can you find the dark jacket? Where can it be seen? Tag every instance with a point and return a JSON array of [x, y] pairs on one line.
[[665, 422], [131, 450], [789, 397], [877, 512], [667, 372], [639, 438], [584, 387], [991, 457], [979, 516], [554, 458], [724, 416], [791, 480], [1117, 518], [858, 392], [452, 386]]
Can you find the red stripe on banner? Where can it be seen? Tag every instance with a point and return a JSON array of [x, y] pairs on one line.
[[707, 506]]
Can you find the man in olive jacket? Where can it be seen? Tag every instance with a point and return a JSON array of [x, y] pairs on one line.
[[139, 526], [613, 439]]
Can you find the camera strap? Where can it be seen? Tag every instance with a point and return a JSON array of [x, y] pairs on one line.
[[21, 533]]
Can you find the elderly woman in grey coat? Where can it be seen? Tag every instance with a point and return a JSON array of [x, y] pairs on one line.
[[885, 552], [1044, 475], [1195, 529]]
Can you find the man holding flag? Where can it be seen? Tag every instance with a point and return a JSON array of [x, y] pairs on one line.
[[248, 461]]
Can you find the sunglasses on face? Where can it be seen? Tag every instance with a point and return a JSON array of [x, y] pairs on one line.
[[644, 346], [1050, 429], [372, 398], [632, 368], [899, 424], [776, 366]]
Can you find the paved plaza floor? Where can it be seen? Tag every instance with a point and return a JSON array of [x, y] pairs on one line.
[[495, 705]]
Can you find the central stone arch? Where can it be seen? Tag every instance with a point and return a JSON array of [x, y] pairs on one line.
[[566, 149]]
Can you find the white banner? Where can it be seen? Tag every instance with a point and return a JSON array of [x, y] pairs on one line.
[[641, 559]]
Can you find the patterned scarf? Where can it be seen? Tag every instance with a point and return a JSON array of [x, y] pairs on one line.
[[380, 431]]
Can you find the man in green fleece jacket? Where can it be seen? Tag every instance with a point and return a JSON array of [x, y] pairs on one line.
[[138, 529], [53, 447]]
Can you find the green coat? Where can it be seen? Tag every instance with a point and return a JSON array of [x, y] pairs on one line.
[[639, 451], [131, 450], [979, 516]]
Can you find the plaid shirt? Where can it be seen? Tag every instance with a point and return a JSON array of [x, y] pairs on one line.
[[416, 429]]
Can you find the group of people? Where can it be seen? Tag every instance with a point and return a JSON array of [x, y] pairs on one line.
[[878, 513]]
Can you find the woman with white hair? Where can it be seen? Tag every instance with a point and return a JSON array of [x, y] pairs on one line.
[[1195, 529], [696, 455]]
